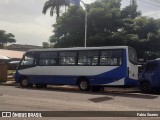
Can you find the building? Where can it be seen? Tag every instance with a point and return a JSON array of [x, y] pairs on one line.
[[19, 47], [10, 54]]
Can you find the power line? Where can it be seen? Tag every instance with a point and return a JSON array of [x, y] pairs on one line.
[[150, 3], [140, 4], [156, 1]]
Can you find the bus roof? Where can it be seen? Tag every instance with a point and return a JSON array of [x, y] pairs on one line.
[[155, 60], [79, 48]]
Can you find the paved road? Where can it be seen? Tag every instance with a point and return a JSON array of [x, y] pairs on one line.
[[15, 98]]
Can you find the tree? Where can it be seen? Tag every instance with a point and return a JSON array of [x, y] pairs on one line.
[[6, 38], [130, 11], [45, 45], [147, 30], [54, 6], [108, 25], [103, 18], [69, 29]]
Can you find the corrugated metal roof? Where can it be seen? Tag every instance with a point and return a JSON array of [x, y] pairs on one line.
[[4, 57], [11, 53]]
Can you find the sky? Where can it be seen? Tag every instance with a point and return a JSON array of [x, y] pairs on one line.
[[25, 20]]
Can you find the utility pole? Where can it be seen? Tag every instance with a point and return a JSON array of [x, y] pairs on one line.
[[77, 2], [86, 26]]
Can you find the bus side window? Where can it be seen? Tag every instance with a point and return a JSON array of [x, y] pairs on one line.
[[88, 58], [111, 57], [67, 58], [48, 58]]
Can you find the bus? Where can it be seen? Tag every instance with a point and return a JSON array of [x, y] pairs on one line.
[[149, 78], [89, 68]]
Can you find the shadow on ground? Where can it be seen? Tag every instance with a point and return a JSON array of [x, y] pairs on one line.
[[110, 93]]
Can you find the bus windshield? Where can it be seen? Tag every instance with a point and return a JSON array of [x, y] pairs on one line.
[[27, 61], [133, 56]]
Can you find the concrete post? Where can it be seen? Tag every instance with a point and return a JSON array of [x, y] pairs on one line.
[[3, 72]]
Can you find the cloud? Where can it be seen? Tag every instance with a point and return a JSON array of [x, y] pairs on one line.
[[13, 1], [45, 21], [20, 10], [25, 20], [88, 1], [24, 28], [125, 3], [154, 14], [40, 30]]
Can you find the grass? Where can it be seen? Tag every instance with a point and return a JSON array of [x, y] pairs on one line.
[[10, 75], [11, 72]]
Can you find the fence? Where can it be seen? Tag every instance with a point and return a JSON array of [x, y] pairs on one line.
[[3, 72], [10, 75], [6, 74]]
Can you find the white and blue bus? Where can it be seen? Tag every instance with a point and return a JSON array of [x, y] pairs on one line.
[[90, 68]]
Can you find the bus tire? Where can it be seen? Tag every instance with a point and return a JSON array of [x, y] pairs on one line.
[[24, 82], [84, 85], [145, 87]]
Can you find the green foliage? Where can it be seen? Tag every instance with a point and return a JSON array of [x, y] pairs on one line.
[[69, 30], [130, 11], [6, 38], [45, 45], [108, 25], [104, 16], [54, 6]]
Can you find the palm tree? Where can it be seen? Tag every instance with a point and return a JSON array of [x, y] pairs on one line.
[[54, 5]]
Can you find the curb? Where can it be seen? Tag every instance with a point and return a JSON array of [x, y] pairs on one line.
[[9, 83], [106, 89]]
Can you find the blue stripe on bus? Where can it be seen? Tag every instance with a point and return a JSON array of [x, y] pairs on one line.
[[113, 75], [104, 78], [130, 82]]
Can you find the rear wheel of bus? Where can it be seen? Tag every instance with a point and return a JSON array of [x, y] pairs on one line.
[[83, 84], [145, 87]]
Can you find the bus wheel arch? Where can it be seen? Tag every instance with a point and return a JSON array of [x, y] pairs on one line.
[[145, 86], [83, 83], [24, 81]]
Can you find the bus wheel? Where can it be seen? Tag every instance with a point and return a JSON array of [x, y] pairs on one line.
[[24, 82], [96, 88], [84, 85], [145, 87]]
